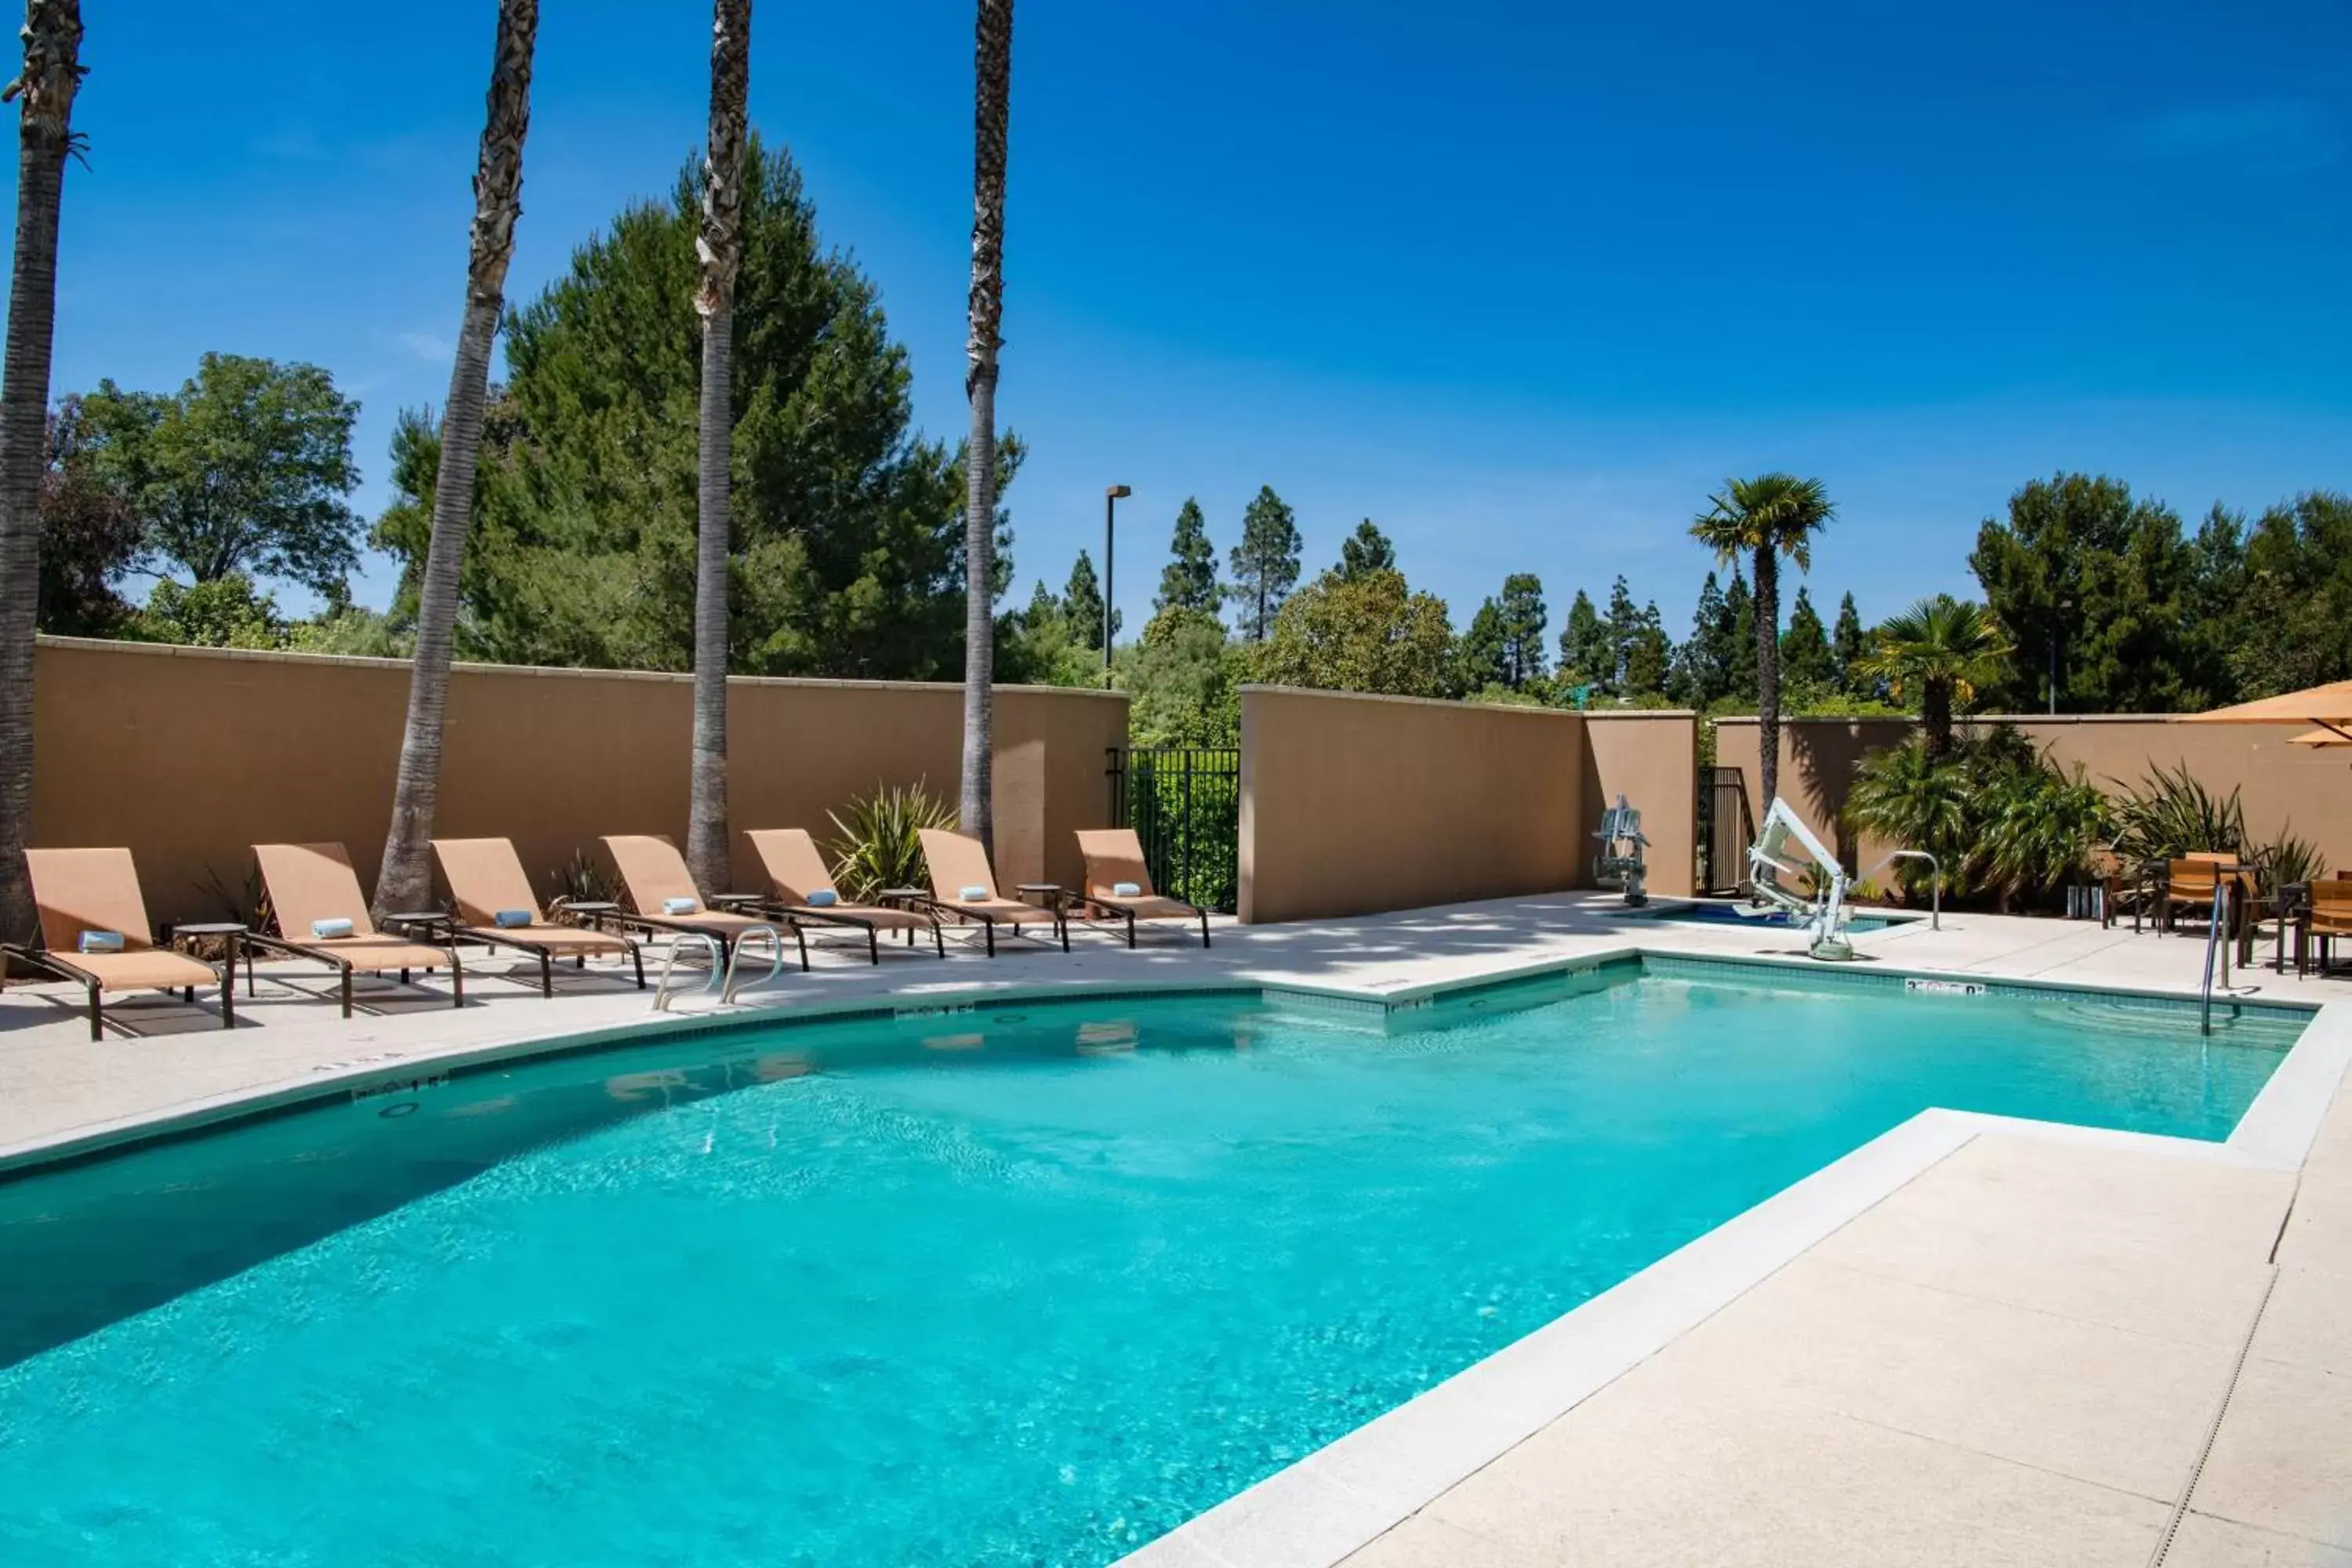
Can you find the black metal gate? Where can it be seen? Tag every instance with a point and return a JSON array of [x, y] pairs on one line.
[[1727, 827], [1185, 806]]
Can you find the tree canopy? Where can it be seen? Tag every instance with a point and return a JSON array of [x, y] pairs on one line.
[[244, 469], [847, 526], [1265, 564], [1366, 550], [1374, 634], [1189, 580]]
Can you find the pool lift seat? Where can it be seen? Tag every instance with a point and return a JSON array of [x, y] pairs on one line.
[[1618, 863], [1823, 916]]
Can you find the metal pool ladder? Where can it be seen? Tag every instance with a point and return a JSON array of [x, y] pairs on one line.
[[2213, 940], [725, 979]]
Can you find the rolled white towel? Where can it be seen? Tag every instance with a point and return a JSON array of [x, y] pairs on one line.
[[974, 894], [101, 941], [1126, 890], [822, 898], [511, 920], [329, 930], [679, 906]]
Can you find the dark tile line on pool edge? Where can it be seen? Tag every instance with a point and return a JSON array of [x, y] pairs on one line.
[[291, 1099]]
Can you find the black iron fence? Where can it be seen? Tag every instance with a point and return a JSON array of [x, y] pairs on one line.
[[1727, 827], [1185, 806]]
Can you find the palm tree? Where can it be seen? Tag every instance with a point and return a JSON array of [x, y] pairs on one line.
[[721, 249], [408, 878], [993, 101], [53, 72], [1764, 519], [1943, 649]]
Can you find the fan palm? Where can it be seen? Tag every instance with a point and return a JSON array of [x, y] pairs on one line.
[[993, 72], [1761, 520], [714, 301], [1942, 648], [407, 875]]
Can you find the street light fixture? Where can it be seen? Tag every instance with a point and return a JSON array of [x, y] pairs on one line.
[[1111, 497]]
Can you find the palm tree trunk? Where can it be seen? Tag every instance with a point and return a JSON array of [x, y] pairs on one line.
[[993, 102], [53, 71], [1767, 668], [722, 204], [406, 881], [1936, 716]]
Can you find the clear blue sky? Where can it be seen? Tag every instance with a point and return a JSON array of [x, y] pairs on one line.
[[1521, 282]]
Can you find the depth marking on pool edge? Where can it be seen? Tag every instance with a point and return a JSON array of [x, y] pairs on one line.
[[1917, 986]]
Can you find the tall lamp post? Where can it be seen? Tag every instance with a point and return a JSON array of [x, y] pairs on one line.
[[2064, 606], [1110, 516]]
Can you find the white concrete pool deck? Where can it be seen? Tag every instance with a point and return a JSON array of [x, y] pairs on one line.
[[1972, 1341]]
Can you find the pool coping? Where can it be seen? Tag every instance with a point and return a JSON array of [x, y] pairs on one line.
[[1326, 1506]]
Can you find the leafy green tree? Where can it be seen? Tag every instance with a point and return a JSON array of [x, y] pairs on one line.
[[2111, 581], [1807, 664], [1484, 666], [220, 611], [1649, 656], [1761, 520], [1740, 616], [1184, 678], [1189, 580], [1587, 655], [2289, 623], [1040, 645], [1940, 650], [1265, 564], [245, 468], [1366, 550], [89, 535], [1522, 616], [1847, 647], [1082, 605], [848, 553], [1374, 634]]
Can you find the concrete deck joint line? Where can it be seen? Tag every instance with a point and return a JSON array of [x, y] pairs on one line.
[[2213, 1427]]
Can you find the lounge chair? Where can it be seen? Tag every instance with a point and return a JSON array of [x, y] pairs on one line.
[[1114, 857], [309, 884], [656, 876], [794, 870], [80, 891], [958, 864], [485, 878]]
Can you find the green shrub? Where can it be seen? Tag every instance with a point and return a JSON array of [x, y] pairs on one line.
[[877, 846]]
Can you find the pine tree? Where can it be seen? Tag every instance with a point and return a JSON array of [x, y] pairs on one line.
[[1082, 605], [1522, 616], [1703, 665], [1623, 624], [1740, 624], [1649, 654], [1265, 564], [1190, 581], [1366, 550], [1586, 655], [1847, 651], [1484, 662], [1807, 664]]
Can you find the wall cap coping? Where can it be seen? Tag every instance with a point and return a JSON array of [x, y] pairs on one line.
[[1746, 720], [1252, 690], [1633, 712], [283, 656]]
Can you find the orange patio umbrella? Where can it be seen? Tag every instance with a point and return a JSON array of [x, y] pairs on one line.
[[2328, 706]]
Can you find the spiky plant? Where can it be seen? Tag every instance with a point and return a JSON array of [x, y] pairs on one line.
[[2171, 813], [877, 843], [2040, 829]]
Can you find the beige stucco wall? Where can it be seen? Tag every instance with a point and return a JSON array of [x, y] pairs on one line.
[[1354, 805], [192, 755], [1652, 759], [2280, 785]]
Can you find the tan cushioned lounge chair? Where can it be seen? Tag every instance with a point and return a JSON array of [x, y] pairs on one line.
[[956, 862], [98, 890], [788, 859], [311, 882], [485, 875], [1114, 855], [654, 873]]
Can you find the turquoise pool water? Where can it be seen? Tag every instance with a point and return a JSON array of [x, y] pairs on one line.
[[1027, 1285]]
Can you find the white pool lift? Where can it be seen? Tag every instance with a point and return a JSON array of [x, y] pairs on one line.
[[1823, 915]]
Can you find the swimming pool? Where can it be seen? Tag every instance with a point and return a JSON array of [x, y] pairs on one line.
[[1721, 913], [1028, 1284]]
